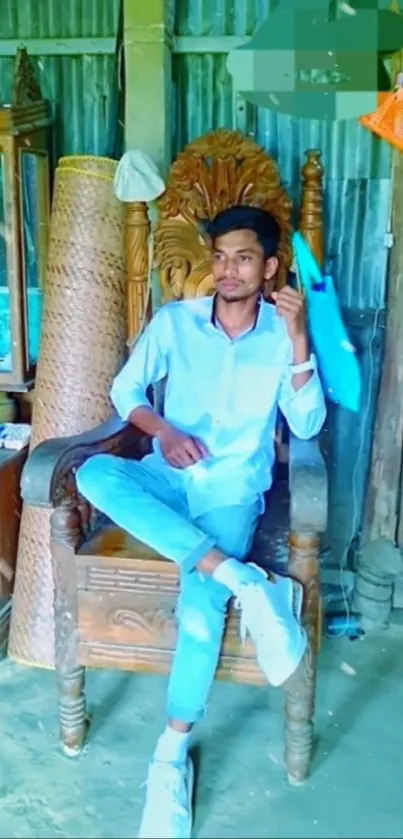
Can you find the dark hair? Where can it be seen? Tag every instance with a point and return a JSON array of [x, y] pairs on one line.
[[243, 217]]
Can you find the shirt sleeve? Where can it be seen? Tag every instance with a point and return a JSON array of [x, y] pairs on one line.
[[305, 408], [147, 365]]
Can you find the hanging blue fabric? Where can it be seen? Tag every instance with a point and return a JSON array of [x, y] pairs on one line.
[[337, 360]]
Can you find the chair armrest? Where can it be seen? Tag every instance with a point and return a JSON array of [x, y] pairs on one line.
[[48, 476], [308, 486]]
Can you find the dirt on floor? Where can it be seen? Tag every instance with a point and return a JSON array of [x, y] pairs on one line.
[[355, 789]]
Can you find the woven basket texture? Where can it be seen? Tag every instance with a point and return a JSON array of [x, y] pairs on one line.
[[82, 347]]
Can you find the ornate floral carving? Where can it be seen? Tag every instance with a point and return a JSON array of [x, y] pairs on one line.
[[216, 171], [311, 212], [155, 622], [137, 229], [25, 87]]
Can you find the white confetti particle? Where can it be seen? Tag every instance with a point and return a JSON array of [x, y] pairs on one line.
[[348, 669]]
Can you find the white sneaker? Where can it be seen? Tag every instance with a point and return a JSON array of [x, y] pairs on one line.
[[271, 614], [168, 809]]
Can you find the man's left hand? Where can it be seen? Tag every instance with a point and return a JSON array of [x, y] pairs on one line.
[[290, 305]]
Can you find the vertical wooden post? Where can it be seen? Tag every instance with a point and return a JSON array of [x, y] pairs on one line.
[[137, 228], [311, 213], [380, 559], [148, 32], [303, 565], [400, 522], [65, 536], [385, 480], [303, 559]]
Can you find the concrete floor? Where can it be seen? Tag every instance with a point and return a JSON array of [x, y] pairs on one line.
[[355, 789]]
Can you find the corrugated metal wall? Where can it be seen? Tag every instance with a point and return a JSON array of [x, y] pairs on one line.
[[357, 207], [79, 86], [50, 19], [357, 167]]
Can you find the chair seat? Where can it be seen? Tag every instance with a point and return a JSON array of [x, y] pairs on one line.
[[127, 595], [112, 541]]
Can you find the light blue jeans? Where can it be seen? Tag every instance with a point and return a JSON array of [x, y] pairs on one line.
[[142, 501]]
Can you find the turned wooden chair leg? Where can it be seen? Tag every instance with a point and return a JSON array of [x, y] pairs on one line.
[[300, 689], [65, 537], [73, 719]]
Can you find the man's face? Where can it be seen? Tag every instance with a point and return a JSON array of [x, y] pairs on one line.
[[239, 266]]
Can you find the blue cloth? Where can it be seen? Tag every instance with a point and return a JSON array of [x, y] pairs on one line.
[[337, 360], [226, 392]]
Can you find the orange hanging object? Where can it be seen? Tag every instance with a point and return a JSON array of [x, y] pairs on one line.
[[387, 120]]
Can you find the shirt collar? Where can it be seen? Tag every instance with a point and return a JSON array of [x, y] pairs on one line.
[[259, 301]]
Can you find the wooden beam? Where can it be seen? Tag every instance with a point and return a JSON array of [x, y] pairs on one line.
[[148, 30], [383, 496], [182, 45], [59, 46], [188, 44]]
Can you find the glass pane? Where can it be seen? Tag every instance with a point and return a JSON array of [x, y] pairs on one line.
[[34, 185], [5, 300]]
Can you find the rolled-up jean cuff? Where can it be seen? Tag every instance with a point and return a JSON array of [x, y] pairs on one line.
[[191, 559], [177, 712]]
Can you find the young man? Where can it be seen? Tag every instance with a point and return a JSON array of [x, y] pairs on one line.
[[230, 361]]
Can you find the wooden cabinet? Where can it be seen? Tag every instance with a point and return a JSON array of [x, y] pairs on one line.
[[11, 464]]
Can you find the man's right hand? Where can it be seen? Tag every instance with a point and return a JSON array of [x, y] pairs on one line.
[[179, 449]]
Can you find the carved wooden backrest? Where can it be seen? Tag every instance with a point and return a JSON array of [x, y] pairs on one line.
[[216, 171], [213, 173]]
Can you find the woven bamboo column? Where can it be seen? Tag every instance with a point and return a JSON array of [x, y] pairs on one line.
[[82, 348]]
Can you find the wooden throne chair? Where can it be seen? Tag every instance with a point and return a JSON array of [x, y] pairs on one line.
[[114, 598]]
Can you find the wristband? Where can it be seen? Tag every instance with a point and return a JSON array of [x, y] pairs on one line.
[[304, 367]]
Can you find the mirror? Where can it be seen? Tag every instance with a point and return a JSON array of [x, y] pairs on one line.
[[5, 299], [34, 185]]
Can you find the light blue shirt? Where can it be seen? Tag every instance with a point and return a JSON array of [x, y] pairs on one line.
[[224, 391]]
